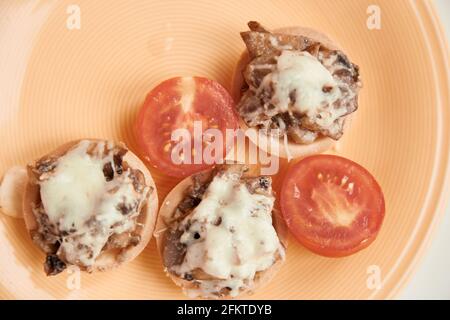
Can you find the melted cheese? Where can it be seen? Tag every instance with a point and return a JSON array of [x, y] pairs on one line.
[[79, 201], [235, 234], [303, 75], [71, 194]]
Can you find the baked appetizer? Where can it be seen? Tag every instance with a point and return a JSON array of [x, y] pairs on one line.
[[91, 204], [296, 85], [218, 233]]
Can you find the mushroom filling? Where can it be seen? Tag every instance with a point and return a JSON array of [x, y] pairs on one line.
[[89, 203], [221, 235], [296, 86]]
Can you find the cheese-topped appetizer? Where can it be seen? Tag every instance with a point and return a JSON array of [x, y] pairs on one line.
[[90, 203], [295, 83], [218, 233]]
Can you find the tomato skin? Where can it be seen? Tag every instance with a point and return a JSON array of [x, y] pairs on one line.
[[321, 210], [333, 253], [164, 111]]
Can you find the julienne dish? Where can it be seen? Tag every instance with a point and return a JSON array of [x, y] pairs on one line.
[[92, 203], [223, 226]]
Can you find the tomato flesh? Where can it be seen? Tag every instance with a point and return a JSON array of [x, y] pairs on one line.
[[332, 205], [184, 103]]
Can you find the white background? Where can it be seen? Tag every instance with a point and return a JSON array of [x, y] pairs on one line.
[[432, 279]]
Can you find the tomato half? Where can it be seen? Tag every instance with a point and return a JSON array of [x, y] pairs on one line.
[[194, 105], [332, 205]]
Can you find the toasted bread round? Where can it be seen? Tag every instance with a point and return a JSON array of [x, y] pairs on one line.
[[147, 217], [170, 204], [295, 150]]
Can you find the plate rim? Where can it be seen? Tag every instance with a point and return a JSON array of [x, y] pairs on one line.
[[426, 11]]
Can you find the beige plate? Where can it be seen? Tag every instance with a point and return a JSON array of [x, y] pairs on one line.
[[58, 85]]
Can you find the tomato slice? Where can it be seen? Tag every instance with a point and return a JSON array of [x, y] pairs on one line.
[[332, 205], [195, 104]]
